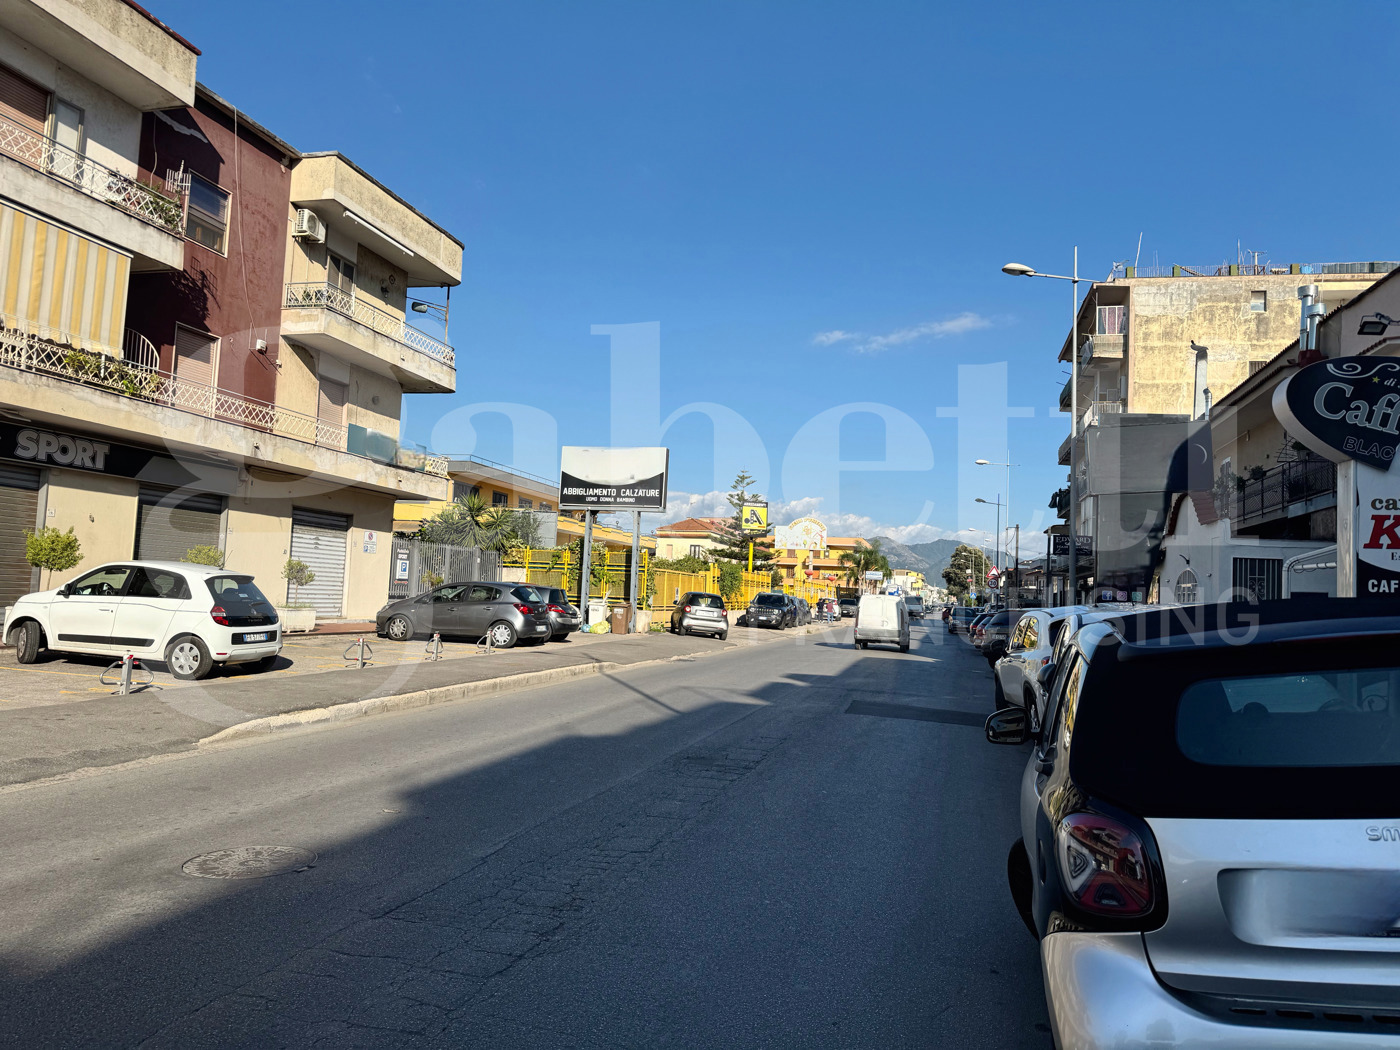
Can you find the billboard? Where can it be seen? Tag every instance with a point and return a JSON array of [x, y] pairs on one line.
[[612, 478], [804, 534], [755, 517]]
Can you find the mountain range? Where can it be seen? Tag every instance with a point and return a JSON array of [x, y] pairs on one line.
[[928, 558]]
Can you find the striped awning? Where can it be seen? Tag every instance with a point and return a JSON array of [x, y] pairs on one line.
[[60, 285]]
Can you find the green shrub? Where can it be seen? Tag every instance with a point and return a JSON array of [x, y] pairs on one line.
[[48, 548], [205, 555]]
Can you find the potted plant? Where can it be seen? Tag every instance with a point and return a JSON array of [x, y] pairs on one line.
[[297, 615]]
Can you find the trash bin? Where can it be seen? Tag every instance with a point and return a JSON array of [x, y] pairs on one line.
[[620, 615], [597, 610]]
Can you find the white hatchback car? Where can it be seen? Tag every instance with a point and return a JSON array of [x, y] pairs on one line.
[[190, 616]]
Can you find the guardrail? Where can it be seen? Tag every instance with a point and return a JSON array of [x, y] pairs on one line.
[[304, 295], [91, 178]]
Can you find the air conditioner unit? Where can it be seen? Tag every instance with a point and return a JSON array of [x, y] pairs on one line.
[[309, 226]]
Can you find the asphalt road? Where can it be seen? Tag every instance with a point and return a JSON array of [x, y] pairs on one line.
[[722, 852]]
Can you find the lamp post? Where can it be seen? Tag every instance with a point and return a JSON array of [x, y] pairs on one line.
[[421, 307], [1021, 270], [998, 504], [1008, 466]]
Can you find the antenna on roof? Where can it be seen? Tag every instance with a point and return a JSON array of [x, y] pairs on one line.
[[1139, 251]]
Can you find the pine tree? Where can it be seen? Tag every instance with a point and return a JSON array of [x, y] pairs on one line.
[[732, 537], [966, 561]]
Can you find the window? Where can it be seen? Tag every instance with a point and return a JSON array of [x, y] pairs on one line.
[[23, 102], [697, 551], [1031, 639], [101, 583], [451, 593], [1187, 591], [340, 274], [1257, 579], [1258, 301], [195, 355], [207, 220], [525, 504], [330, 404], [500, 499], [156, 583], [68, 125], [544, 505], [482, 594], [1327, 718]]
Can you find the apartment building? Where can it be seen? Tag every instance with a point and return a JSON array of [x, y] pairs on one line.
[[691, 537], [497, 486], [204, 336], [1160, 345]]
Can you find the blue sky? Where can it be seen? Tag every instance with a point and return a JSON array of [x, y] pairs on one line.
[[813, 202]]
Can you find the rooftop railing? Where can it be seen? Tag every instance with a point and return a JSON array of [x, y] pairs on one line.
[[323, 295], [1228, 269], [87, 176]]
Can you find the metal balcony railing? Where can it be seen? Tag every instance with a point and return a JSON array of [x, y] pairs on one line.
[[1281, 488], [323, 295], [87, 176]]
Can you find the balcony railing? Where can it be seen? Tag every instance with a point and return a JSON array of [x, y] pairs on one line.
[[1098, 409], [89, 177], [1281, 488], [322, 295]]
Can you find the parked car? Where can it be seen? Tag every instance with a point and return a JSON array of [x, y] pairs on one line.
[[564, 618], [475, 609], [190, 616], [1030, 650], [700, 613], [975, 628], [960, 619], [849, 606], [996, 633], [1209, 826], [915, 605], [804, 611], [882, 619], [771, 609]]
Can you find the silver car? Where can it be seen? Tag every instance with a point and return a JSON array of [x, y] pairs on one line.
[[700, 613], [504, 612], [1210, 831]]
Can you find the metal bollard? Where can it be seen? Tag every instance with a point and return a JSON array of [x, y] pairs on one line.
[[127, 667], [483, 644], [434, 649], [362, 653]]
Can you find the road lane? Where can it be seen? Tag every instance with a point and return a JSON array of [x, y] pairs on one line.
[[711, 852]]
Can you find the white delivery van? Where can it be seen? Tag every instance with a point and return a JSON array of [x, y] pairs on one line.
[[882, 619]]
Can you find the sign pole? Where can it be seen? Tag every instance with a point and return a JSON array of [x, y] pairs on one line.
[[636, 556], [1346, 529], [750, 555], [585, 568]]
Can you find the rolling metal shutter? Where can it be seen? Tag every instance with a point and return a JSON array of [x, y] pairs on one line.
[[194, 356], [319, 538], [19, 510], [168, 525], [23, 102]]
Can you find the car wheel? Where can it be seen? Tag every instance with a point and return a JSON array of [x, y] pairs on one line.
[[1018, 876], [26, 638], [904, 648], [502, 635], [723, 635], [558, 637], [188, 659], [399, 629]]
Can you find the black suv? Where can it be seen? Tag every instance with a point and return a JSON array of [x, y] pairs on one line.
[[771, 609]]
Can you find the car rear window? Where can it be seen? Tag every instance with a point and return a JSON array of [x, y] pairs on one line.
[[528, 595], [770, 599], [1335, 718], [557, 596], [237, 594], [707, 601]]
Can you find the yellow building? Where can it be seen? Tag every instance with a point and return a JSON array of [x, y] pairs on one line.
[[691, 537]]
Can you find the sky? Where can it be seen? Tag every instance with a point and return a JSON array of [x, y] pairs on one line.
[[796, 208]]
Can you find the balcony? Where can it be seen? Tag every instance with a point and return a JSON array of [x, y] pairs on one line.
[[1288, 490], [1094, 414], [1101, 350], [331, 319], [139, 401], [94, 198]]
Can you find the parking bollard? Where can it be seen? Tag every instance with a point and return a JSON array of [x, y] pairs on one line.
[[362, 653], [434, 649], [483, 644], [127, 667]]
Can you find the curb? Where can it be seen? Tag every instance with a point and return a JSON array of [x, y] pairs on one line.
[[378, 705]]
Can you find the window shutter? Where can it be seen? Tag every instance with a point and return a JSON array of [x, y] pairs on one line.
[[331, 403], [194, 356], [23, 102]]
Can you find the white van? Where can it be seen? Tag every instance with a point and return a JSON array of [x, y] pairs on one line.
[[882, 619]]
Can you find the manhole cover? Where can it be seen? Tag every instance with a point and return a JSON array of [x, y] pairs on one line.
[[249, 862]]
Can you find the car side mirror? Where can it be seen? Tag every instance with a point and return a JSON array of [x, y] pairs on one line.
[[65, 590], [1008, 726], [1045, 676]]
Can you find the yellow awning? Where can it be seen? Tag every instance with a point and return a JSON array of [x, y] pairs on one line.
[[60, 285]]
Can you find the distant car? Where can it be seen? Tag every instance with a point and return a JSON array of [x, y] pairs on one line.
[[960, 619], [977, 627], [700, 613], [996, 633], [505, 612], [882, 619], [849, 606], [771, 609], [190, 616], [915, 605], [564, 618], [1209, 827]]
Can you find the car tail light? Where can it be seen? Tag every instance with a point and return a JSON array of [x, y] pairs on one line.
[[524, 609], [1107, 865], [218, 615], [557, 609], [686, 609]]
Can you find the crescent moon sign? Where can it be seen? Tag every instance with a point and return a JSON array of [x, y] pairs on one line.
[[1205, 457]]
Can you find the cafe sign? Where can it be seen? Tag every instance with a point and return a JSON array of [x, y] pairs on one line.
[[1345, 408]]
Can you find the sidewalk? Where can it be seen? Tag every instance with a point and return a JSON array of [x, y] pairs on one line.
[[53, 734]]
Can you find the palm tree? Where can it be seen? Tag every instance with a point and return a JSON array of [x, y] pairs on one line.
[[862, 560], [470, 522]]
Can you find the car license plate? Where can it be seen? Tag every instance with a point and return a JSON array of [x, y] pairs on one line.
[[255, 637], [542, 629]]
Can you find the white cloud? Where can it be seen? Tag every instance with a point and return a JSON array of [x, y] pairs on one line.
[[967, 321]]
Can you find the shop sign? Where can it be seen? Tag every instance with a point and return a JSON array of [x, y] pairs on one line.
[[53, 448], [755, 517], [612, 478], [1059, 544], [1377, 533], [1344, 408]]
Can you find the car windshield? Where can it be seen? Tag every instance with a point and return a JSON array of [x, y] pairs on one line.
[[770, 600], [1333, 718], [237, 594]]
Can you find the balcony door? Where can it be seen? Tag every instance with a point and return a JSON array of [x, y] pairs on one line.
[[195, 356], [340, 275]]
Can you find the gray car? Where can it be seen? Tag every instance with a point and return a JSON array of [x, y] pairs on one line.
[[505, 612], [1210, 832], [700, 613], [564, 617]]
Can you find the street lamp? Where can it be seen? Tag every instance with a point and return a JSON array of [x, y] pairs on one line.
[[420, 307], [998, 505], [1008, 466], [1022, 270]]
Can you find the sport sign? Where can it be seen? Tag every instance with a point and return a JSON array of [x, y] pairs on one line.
[[1344, 408]]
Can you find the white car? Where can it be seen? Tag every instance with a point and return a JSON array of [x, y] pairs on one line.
[[190, 616], [882, 619]]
